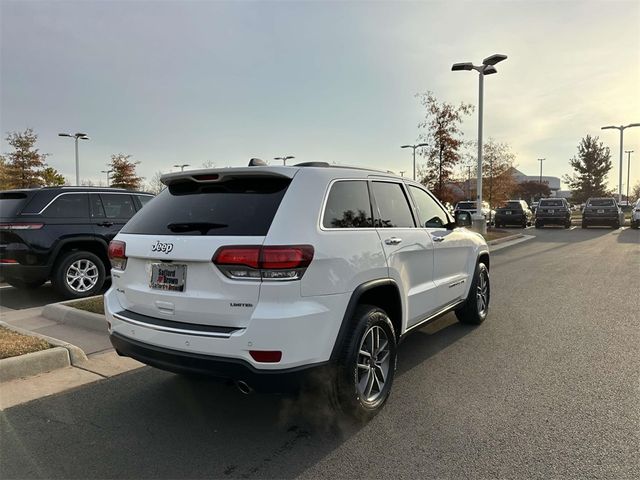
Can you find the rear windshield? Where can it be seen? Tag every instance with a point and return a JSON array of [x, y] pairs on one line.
[[601, 202], [11, 203], [512, 205], [551, 203], [243, 207], [466, 205]]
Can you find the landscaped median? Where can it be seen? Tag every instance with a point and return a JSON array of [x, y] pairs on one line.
[[86, 313], [24, 353]]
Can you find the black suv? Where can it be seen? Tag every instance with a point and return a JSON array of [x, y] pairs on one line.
[[62, 234], [554, 211], [514, 212], [602, 212]]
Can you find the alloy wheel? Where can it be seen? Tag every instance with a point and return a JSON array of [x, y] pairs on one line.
[[373, 364], [482, 293], [82, 275]]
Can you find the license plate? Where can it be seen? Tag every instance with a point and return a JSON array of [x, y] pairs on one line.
[[550, 211], [168, 276], [600, 211], [508, 212]]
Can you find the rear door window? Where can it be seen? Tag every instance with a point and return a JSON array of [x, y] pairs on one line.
[[144, 199], [118, 205], [241, 207], [393, 206], [74, 205], [348, 206]]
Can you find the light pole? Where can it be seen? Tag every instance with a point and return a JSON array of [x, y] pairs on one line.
[[487, 68], [622, 129], [628, 152], [107, 172], [541, 160], [284, 159], [76, 136], [414, 154], [181, 166]]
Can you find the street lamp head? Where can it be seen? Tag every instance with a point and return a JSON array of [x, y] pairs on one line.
[[609, 127], [489, 70], [65, 135], [462, 66], [493, 59], [633, 125], [79, 135], [422, 145], [406, 146], [84, 137]]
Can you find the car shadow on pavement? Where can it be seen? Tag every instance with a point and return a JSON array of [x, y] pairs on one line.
[[154, 424], [629, 235]]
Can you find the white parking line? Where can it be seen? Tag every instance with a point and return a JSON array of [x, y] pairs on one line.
[[573, 228]]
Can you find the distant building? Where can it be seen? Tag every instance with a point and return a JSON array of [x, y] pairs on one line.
[[552, 182]]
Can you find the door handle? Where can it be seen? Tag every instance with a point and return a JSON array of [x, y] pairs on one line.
[[393, 241], [438, 239], [106, 224]]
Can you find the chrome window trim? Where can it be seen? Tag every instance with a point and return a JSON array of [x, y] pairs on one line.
[[77, 193]]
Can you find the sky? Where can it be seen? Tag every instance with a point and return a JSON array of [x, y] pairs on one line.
[[174, 82]]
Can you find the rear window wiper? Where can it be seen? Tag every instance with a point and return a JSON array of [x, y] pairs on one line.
[[202, 227]]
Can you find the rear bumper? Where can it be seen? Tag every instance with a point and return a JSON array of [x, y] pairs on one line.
[[516, 219], [608, 220], [304, 330], [268, 381], [554, 220]]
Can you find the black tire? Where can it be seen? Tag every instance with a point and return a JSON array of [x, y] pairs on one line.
[[616, 226], [24, 285], [524, 223], [471, 312], [347, 395], [63, 266], [567, 224], [584, 225], [635, 225]]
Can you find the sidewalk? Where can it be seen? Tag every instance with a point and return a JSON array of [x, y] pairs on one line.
[[102, 361]]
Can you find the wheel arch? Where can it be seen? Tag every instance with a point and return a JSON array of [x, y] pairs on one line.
[[383, 293], [90, 244]]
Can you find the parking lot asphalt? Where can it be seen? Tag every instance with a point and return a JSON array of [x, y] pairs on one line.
[[547, 387]]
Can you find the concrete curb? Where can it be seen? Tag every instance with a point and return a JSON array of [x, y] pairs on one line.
[[33, 363], [76, 354], [64, 314]]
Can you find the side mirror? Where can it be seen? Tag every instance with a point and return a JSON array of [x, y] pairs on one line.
[[463, 219]]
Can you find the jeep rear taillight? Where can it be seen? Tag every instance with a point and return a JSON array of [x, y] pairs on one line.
[[279, 262], [118, 254]]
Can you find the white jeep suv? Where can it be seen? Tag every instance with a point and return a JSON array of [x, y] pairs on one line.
[[266, 275]]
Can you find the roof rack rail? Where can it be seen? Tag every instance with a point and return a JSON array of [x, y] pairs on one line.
[[312, 164]]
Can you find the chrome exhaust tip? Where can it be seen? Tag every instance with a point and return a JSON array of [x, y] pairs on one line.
[[244, 387]]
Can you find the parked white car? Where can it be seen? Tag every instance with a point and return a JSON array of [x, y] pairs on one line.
[[635, 215], [267, 275]]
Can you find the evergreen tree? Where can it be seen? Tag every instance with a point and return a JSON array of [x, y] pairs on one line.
[[591, 165]]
